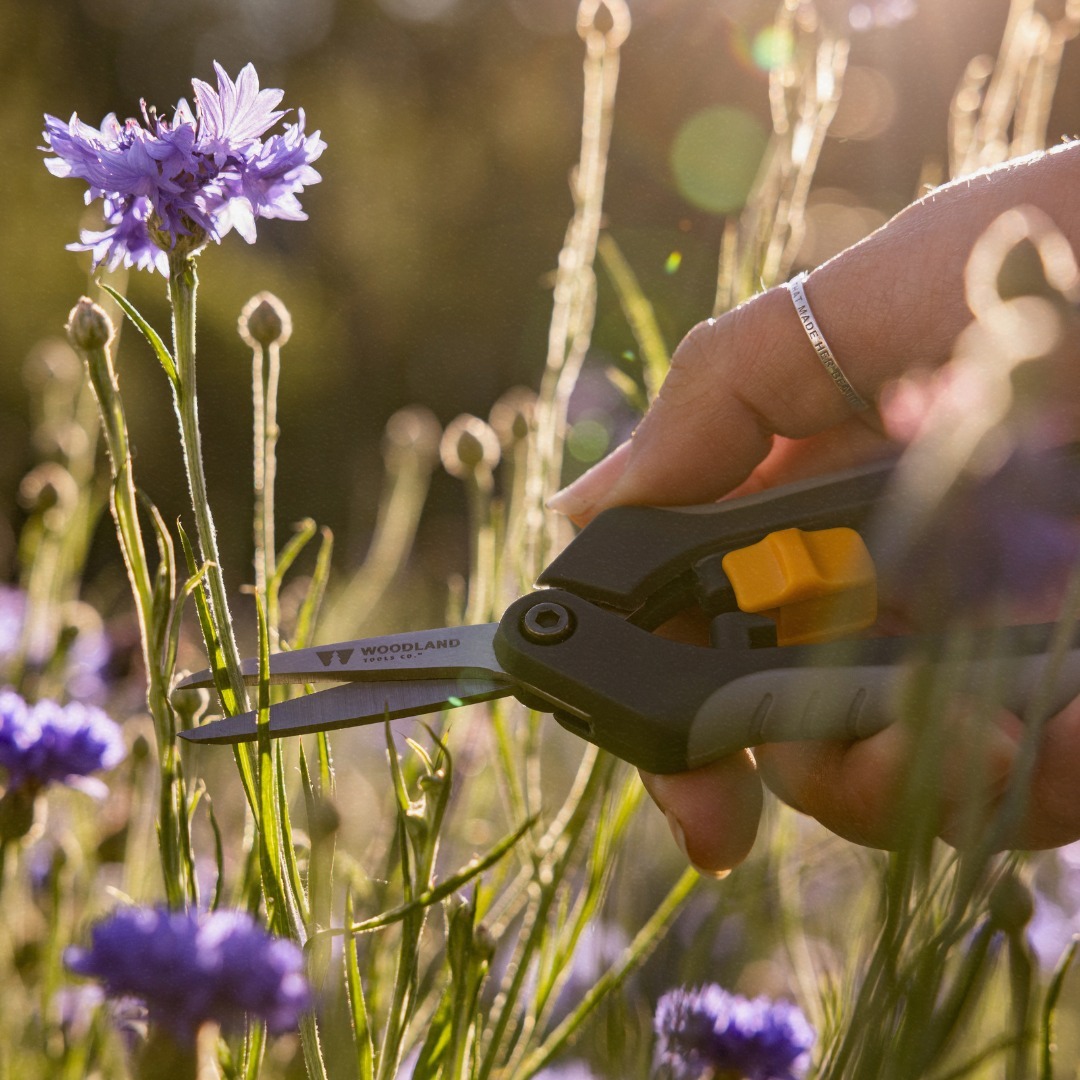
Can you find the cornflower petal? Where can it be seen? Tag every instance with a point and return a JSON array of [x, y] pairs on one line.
[[707, 1031], [49, 743], [169, 185], [236, 113], [190, 968]]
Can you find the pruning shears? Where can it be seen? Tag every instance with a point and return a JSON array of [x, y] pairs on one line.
[[787, 581]]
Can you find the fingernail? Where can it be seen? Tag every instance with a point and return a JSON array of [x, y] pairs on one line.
[[680, 839], [577, 499]]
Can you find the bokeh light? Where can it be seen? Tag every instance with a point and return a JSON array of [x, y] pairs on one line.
[[772, 48], [835, 219], [868, 105], [715, 157], [419, 10]]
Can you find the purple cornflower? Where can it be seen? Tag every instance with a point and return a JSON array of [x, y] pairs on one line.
[[173, 185], [709, 1032], [47, 742], [192, 968]]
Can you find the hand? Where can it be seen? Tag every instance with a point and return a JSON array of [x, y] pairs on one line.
[[748, 406]]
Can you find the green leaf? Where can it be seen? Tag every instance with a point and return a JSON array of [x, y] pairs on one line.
[[1047, 1044], [309, 609], [214, 654], [473, 868], [361, 1026], [639, 313], [152, 337], [269, 835], [219, 855]]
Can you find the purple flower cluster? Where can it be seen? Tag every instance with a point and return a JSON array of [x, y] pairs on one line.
[[704, 1032], [172, 185], [47, 742], [190, 968]]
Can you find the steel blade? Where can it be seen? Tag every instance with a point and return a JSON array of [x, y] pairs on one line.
[[446, 652], [352, 705]]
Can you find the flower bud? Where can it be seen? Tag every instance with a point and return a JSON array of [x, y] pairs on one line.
[[265, 320], [89, 326], [469, 446], [1011, 904], [511, 416], [324, 818], [412, 430], [49, 489]]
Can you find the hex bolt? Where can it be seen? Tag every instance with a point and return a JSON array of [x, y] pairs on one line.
[[547, 624]]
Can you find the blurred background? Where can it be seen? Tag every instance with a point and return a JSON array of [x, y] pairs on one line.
[[424, 273]]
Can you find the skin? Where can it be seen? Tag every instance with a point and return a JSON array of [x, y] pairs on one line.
[[747, 405]]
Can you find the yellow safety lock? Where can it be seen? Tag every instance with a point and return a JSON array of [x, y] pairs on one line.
[[818, 585]]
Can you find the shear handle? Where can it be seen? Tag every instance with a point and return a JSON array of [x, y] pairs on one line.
[[667, 706], [637, 557]]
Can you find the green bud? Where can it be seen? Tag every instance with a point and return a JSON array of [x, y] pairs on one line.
[[89, 326], [1011, 904], [324, 818], [265, 320]]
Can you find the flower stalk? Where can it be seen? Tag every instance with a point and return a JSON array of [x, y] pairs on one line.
[[183, 286], [91, 331]]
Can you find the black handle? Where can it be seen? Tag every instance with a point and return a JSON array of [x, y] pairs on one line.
[[667, 706], [631, 555]]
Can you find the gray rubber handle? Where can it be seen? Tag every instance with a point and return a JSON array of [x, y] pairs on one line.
[[789, 704]]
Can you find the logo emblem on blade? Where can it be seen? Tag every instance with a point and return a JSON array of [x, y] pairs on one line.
[[327, 657]]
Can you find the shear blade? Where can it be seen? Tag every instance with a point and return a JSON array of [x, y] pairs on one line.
[[423, 654], [352, 705]]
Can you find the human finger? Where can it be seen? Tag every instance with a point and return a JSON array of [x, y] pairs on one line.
[[884, 790], [713, 812]]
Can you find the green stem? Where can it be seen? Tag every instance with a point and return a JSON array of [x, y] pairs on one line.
[[124, 506], [183, 284], [636, 954], [266, 369]]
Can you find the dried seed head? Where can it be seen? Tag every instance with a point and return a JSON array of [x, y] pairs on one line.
[[265, 320], [412, 430], [511, 416], [49, 489], [468, 446], [89, 326]]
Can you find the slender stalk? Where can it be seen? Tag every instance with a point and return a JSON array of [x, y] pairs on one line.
[[266, 370], [183, 285], [636, 954], [124, 507]]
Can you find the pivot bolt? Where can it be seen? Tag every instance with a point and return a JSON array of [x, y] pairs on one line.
[[547, 624]]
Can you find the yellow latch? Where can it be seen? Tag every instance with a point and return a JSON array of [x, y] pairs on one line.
[[818, 585]]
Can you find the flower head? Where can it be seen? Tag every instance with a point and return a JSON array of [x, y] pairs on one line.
[[46, 742], [172, 185], [190, 968], [708, 1031]]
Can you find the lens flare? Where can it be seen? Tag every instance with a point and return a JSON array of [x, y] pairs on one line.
[[715, 158]]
